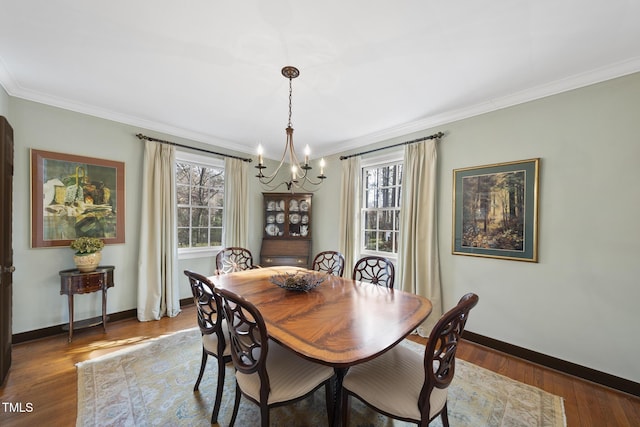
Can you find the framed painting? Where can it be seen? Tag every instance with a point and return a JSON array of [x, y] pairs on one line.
[[495, 211], [74, 196]]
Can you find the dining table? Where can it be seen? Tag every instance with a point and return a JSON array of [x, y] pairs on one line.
[[340, 323]]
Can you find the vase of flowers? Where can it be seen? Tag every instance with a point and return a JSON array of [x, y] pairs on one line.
[[88, 253]]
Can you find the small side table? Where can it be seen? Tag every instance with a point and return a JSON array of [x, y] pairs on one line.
[[74, 281]]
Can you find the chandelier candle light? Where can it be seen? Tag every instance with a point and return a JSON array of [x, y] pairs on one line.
[[299, 178]]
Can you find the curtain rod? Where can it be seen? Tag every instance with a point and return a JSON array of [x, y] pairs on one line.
[[434, 136], [148, 138]]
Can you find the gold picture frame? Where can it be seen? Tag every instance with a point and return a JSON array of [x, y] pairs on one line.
[[495, 210], [74, 196]]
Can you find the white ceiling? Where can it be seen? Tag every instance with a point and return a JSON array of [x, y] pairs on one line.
[[369, 69]]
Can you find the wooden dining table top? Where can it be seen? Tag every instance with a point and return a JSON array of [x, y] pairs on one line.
[[340, 323]]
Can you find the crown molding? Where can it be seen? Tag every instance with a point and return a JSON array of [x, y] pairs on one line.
[[132, 121], [576, 81], [6, 80]]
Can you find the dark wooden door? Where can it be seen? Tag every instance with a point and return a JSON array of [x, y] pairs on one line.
[[6, 248]]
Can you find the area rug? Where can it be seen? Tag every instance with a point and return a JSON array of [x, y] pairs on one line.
[[151, 384]]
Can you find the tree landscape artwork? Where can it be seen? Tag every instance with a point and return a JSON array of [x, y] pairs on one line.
[[495, 210]]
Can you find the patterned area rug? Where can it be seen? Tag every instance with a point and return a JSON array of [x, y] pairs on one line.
[[151, 384]]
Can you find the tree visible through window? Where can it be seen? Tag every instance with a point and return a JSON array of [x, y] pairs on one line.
[[381, 207], [200, 198]]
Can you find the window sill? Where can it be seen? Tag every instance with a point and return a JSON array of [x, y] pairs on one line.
[[391, 257], [198, 253]]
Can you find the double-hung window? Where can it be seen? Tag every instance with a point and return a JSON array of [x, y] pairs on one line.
[[200, 200], [380, 220]]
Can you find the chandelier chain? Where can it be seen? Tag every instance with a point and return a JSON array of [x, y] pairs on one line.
[[290, 97]]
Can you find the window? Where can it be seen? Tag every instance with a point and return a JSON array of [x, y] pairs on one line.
[[381, 184], [200, 199]]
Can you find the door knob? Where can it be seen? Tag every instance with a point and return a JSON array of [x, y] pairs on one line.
[[9, 269]]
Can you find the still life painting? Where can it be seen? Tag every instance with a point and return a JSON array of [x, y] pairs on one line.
[[75, 196]]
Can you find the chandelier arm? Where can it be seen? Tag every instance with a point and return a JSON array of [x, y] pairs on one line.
[[305, 176], [269, 187], [293, 157], [312, 182], [315, 186], [266, 179]]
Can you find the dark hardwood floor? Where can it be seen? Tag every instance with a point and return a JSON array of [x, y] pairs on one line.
[[41, 386]]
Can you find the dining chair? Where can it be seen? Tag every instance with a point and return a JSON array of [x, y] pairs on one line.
[[268, 374], [232, 259], [374, 269], [213, 328], [331, 262], [406, 385]]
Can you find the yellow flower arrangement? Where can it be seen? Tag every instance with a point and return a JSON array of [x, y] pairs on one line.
[[87, 245]]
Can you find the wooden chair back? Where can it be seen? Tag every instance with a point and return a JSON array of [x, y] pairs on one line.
[[233, 259], [440, 351], [213, 328], [331, 262], [375, 269], [208, 305], [248, 338]]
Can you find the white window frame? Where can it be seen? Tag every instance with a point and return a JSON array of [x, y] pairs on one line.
[[389, 157], [188, 157]]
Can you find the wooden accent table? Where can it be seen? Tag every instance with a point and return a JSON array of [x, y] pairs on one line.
[[340, 323], [73, 281]]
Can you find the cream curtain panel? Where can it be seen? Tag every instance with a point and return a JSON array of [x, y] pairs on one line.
[[236, 215], [418, 262], [158, 290], [349, 226]]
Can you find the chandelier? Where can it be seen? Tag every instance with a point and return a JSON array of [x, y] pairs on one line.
[[298, 178]]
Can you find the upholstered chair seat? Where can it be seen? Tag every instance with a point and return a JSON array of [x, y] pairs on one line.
[[290, 376], [210, 342], [372, 381], [408, 386]]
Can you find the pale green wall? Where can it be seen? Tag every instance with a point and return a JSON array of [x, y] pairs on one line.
[[578, 303], [36, 292], [326, 208], [36, 285]]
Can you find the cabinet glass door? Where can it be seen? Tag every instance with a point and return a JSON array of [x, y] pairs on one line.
[[275, 216], [299, 211], [287, 215]]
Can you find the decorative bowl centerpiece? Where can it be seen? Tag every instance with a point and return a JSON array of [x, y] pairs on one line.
[[298, 281]]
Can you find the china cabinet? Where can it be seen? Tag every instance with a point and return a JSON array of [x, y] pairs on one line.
[[287, 229]]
